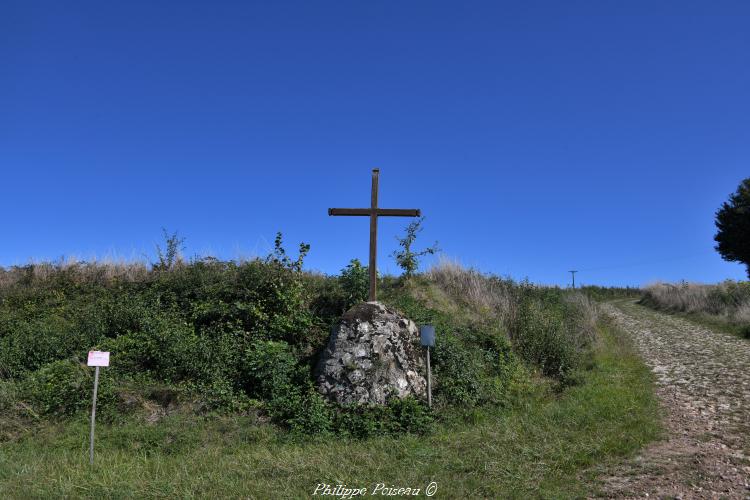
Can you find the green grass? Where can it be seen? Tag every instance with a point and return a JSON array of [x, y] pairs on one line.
[[549, 445]]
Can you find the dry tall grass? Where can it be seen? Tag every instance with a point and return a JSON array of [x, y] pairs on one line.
[[589, 314], [500, 298], [482, 293], [729, 301], [96, 271]]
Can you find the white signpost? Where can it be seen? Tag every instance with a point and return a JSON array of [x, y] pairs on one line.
[[97, 359]]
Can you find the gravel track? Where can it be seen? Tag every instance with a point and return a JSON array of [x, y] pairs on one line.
[[703, 382]]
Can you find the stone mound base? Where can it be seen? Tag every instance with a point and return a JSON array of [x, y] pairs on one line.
[[372, 355]]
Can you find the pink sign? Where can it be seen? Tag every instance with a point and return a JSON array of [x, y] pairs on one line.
[[98, 358]]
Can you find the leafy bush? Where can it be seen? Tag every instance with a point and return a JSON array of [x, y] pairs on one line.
[[409, 415], [541, 338], [363, 421], [473, 363], [268, 369], [242, 336], [457, 372], [303, 410], [63, 388], [36, 341], [220, 395], [355, 281], [166, 349], [397, 417]]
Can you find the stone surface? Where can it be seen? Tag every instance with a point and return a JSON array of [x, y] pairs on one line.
[[703, 382], [373, 354]]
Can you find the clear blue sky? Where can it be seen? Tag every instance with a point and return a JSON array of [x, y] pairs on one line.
[[537, 137]]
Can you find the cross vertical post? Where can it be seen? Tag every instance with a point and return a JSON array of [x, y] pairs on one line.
[[374, 235], [373, 213]]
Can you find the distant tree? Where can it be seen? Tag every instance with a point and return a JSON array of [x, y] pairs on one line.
[[406, 258], [733, 224]]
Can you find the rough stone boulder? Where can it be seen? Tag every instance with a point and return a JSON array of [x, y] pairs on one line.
[[373, 354]]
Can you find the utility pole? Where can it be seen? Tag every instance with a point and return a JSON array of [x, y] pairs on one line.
[[573, 273]]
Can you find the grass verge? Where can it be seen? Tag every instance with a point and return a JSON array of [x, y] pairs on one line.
[[724, 306], [714, 323], [549, 445]]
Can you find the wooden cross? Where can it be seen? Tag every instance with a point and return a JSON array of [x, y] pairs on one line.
[[374, 212]]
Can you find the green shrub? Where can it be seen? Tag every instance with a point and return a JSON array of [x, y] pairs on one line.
[[268, 369], [37, 341], [166, 349], [304, 411], [327, 298], [63, 388], [406, 258], [239, 335], [363, 421], [399, 416], [548, 334], [11, 358], [472, 363], [355, 281], [409, 415], [271, 373], [15, 414], [8, 397], [220, 395], [458, 376]]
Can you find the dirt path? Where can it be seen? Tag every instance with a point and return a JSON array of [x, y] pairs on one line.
[[703, 382]]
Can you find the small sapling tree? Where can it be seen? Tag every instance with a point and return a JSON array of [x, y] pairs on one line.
[[171, 254], [280, 257], [407, 259], [733, 224], [287, 289]]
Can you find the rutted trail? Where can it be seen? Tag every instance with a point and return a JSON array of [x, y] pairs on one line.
[[703, 382]]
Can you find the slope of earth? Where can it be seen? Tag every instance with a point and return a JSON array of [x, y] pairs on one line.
[[703, 383]]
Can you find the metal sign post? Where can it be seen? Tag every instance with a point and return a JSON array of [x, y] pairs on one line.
[[429, 379], [427, 337], [93, 417], [97, 359]]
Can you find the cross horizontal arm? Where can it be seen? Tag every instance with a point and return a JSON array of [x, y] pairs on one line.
[[380, 212]]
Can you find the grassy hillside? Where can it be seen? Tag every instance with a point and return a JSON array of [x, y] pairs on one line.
[[726, 305], [233, 337], [548, 444], [210, 390]]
